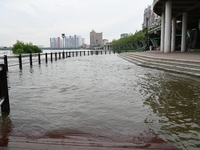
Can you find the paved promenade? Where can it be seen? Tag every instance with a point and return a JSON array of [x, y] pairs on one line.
[[80, 142], [191, 56]]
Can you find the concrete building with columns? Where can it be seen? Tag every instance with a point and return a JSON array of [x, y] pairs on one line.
[[174, 14]]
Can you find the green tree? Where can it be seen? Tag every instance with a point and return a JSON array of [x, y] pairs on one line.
[[20, 47], [130, 42]]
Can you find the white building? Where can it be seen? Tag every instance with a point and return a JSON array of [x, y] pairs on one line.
[[75, 41]]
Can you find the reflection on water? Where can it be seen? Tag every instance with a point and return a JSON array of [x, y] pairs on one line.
[[5, 129], [175, 104], [107, 98]]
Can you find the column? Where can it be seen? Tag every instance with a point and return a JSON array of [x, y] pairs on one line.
[[168, 16], [173, 41], [162, 38], [184, 32]]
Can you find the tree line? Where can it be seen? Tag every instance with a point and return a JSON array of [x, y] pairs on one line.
[[136, 41]]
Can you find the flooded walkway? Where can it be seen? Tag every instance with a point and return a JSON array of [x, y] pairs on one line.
[[82, 143], [100, 102]]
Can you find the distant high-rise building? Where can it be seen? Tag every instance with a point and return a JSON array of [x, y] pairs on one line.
[[123, 35], [105, 41], [96, 38], [58, 42], [53, 43], [71, 41], [68, 42], [78, 41], [83, 40]]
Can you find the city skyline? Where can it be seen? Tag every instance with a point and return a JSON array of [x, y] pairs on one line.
[[69, 41], [36, 21]]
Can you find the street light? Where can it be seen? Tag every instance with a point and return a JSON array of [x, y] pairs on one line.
[[147, 27], [63, 36]]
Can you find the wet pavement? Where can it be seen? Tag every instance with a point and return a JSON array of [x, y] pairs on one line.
[[191, 55]]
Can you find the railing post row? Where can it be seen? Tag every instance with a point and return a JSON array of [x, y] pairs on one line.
[[5, 106], [55, 55], [31, 62], [46, 57], [39, 60], [6, 62], [59, 55], [51, 57], [20, 61], [63, 54]]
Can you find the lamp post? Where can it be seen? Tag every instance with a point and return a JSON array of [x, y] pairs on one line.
[[63, 36], [147, 27]]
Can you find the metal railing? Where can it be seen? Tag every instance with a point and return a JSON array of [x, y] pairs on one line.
[[4, 97], [19, 60]]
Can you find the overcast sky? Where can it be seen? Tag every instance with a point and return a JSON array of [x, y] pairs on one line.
[[37, 20]]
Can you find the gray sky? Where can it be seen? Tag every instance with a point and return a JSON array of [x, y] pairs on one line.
[[37, 20]]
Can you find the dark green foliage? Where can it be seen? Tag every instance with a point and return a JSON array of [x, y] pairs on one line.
[[135, 41], [20, 47]]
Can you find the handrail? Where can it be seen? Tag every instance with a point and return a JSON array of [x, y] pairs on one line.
[[52, 56]]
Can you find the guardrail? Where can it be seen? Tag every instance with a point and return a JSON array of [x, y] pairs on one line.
[[46, 57], [4, 97]]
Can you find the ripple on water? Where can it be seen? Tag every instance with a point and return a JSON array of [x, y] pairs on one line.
[[104, 96]]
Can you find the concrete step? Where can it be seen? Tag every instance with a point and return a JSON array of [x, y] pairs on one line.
[[172, 65]]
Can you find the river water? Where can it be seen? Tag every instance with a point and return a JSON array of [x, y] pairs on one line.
[[104, 96]]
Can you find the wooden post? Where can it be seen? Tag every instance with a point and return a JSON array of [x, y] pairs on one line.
[[88, 53], [6, 62], [76, 53], [73, 54], [31, 62], [66, 54], [39, 60], [80, 53], [46, 57], [84, 53], [69, 54], [5, 106], [20, 61], [105, 51]]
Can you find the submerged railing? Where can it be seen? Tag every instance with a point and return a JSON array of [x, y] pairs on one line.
[[4, 98], [30, 58]]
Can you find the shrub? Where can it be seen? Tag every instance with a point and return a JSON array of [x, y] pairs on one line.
[[20, 47]]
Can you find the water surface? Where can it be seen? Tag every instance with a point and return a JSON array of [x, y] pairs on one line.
[[106, 97]]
